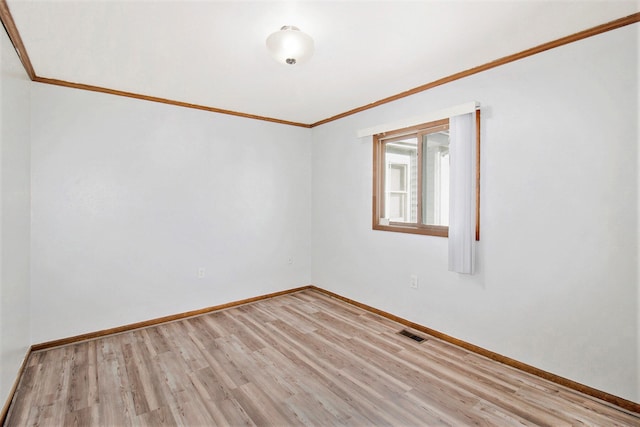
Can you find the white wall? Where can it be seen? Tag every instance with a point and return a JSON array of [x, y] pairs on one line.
[[14, 215], [131, 198], [638, 218], [557, 284]]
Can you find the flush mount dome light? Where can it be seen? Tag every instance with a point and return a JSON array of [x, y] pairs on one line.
[[290, 45]]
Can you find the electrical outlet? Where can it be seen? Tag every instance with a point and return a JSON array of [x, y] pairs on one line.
[[413, 281], [201, 272]]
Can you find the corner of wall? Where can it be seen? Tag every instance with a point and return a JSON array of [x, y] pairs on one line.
[[15, 216]]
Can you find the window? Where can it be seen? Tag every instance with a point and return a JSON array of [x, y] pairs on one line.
[[411, 179]]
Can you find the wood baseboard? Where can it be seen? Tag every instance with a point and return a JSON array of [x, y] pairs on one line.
[[598, 394], [157, 321], [12, 392]]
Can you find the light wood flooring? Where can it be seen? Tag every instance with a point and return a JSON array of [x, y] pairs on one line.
[[299, 359]]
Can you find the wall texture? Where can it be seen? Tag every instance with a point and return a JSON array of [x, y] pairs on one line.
[[557, 283], [132, 198], [14, 215]]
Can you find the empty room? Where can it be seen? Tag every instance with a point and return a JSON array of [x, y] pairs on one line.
[[319, 213]]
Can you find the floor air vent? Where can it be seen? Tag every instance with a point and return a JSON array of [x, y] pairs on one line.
[[411, 335]]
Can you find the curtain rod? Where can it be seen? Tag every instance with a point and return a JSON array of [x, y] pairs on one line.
[[467, 107]]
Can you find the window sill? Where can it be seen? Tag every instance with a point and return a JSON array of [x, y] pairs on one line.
[[427, 230]]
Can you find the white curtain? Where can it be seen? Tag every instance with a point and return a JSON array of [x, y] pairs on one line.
[[462, 193]]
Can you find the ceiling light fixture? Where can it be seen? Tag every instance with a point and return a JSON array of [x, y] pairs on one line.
[[290, 45]]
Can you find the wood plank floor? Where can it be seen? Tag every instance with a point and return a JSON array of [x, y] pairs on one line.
[[298, 359]]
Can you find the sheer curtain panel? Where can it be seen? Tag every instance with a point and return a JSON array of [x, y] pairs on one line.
[[462, 203]]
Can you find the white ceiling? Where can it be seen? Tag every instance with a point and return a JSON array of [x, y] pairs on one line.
[[213, 53]]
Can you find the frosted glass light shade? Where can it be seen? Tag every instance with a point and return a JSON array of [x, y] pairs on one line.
[[290, 45]]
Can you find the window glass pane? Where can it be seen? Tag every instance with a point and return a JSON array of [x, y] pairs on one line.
[[435, 178], [396, 206], [397, 177], [401, 179]]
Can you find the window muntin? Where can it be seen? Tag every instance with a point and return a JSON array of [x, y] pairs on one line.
[[411, 180]]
